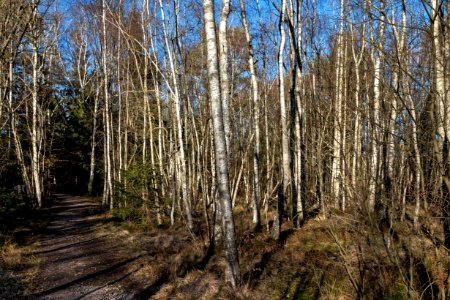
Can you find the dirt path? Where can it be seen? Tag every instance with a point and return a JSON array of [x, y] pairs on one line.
[[83, 259]]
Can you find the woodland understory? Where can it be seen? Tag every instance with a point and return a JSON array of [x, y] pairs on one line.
[[297, 148]]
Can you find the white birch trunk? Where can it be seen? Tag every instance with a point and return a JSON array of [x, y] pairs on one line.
[[107, 191], [93, 141], [15, 134], [336, 168], [179, 125], [443, 117], [285, 157], [233, 269], [357, 59], [223, 70], [35, 170], [256, 143], [375, 150]]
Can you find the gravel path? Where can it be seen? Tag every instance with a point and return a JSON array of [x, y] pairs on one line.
[[82, 259]]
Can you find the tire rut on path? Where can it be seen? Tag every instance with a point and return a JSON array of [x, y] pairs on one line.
[[82, 260]]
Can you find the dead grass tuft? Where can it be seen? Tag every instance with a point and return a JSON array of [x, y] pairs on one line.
[[18, 267]]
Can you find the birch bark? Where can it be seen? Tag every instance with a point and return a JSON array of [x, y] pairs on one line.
[[35, 170], [336, 168], [443, 117], [223, 71], [256, 107], [108, 190], [229, 236], [375, 150], [179, 125], [285, 158]]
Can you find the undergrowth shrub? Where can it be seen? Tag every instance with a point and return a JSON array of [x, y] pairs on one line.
[[13, 208], [126, 214], [136, 194]]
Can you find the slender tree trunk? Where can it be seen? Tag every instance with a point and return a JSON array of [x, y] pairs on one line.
[[336, 168], [256, 143], [160, 153], [375, 150], [402, 81], [443, 117], [297, 159], [35, 170], [108, 190], [268, 170], [233, 269], [119, 95], [357, 59], [285, 158], [15, 134], [93, 141], [144, 83], [162, 183], [223, 70], [179, 125]]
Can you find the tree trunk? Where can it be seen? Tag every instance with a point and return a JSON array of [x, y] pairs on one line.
[[375, 150], [285, 158], [443, 118], [357, 59], [233, 269], [93, 141], [256, 141], [179, 125], [35, 170], [223, 70], [15, 134], [336, 168], [108, 190]]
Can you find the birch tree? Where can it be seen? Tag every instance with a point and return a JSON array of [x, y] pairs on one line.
[[256, 108], [179, 125], [376, 56], [336, 169], [285, 156], [294, 20], [229, 236], [108, 187], [443, 114], [35, 122], [357, 55]]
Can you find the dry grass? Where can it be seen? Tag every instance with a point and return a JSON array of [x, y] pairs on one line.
[[18, 267]]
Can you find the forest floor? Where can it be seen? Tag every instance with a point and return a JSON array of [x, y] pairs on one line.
[[77, 251]]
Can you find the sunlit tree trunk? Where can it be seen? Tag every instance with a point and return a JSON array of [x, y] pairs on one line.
[[108, 188], [336, 168], [145, 16], [443, 116], [35, 170], [392, 105], [229, 236], [285, 156], [179, 125], [357, 59], [256, 107], [223, 70], [161, 130], [401, 81], [299, 213], [296, 112], [93, 141], [375, 133], [119, 95]]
